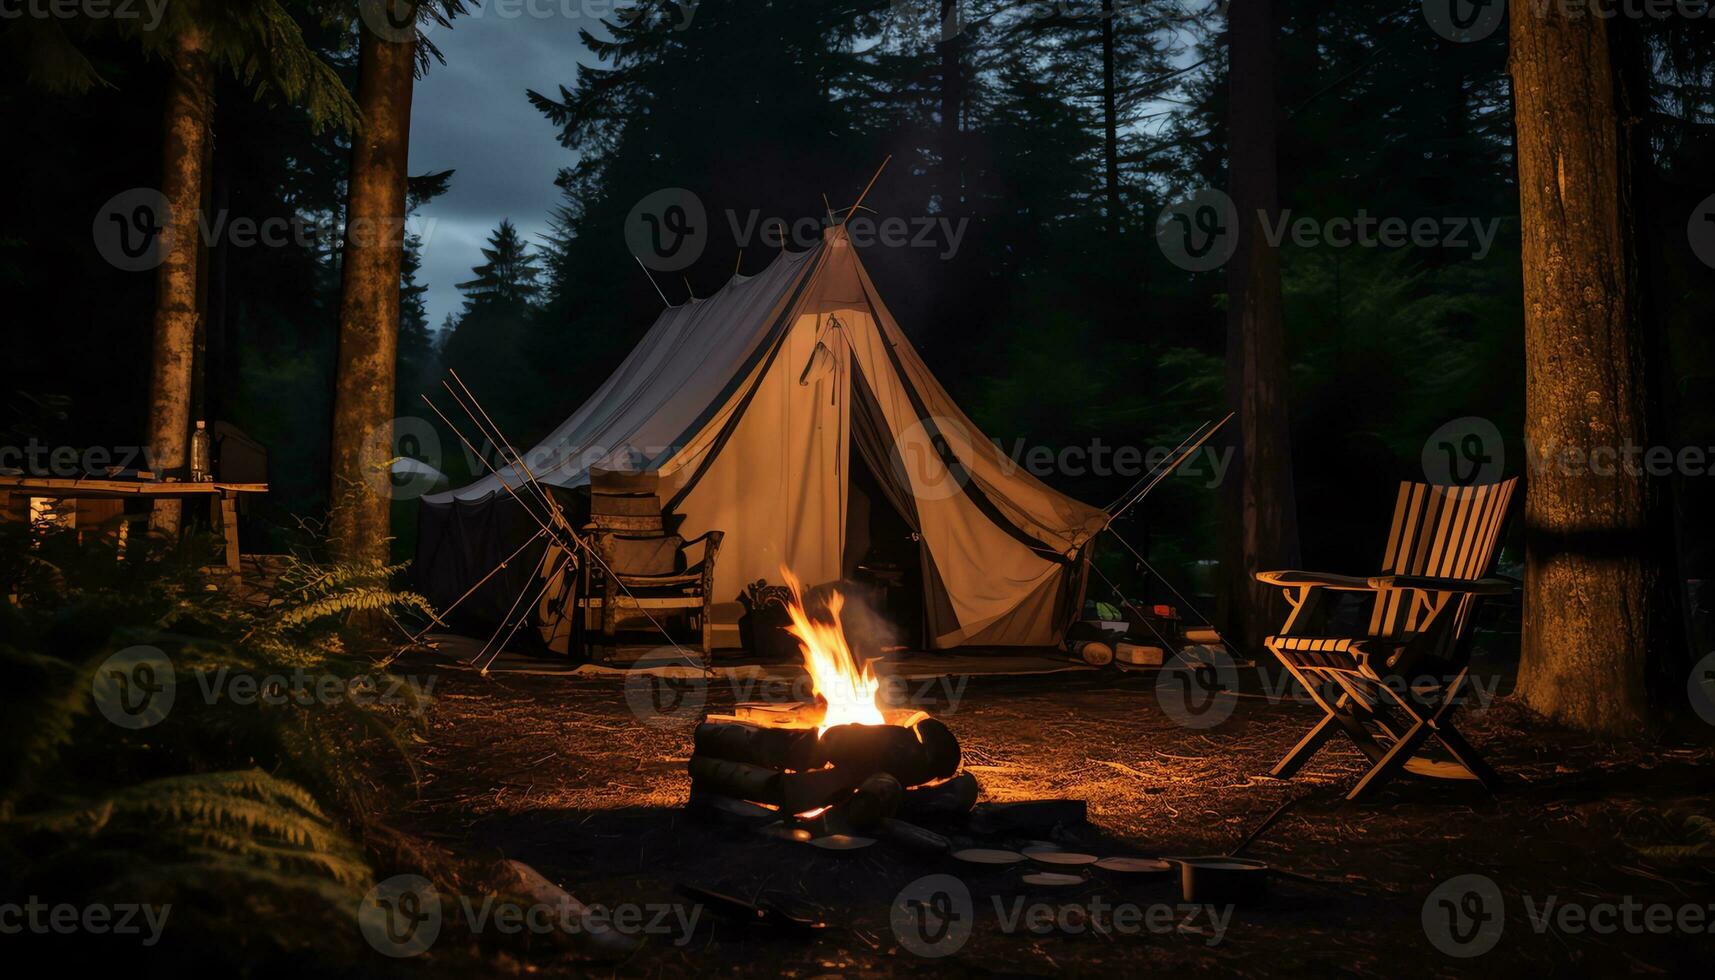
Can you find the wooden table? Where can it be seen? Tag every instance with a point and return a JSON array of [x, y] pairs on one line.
[[222, 497]]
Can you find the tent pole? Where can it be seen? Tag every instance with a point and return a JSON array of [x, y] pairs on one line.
[[1145, 478], [537, 493], [507, 486], [866, 187], [652, 282], [561, 518], [1168, 470]]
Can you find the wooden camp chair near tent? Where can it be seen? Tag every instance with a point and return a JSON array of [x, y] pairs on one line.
[[1396, 686], [649, 573]]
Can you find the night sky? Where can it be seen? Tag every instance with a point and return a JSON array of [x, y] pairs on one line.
[[471, 115]]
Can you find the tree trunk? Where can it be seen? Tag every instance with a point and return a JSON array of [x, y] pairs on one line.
[[1595, 576], [1261, 528], [1110, 120], [190, 103], [369, 300]]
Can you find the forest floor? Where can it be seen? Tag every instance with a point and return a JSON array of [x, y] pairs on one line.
[[562, 774]]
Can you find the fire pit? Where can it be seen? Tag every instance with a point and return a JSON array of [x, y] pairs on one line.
[[843, 760]]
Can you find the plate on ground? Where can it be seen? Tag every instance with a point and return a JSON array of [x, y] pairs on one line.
[[1068, 859], [1134, 866], [1052, 879], [841, 842], [987, 855]]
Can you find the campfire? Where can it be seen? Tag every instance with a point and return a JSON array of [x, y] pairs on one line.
[[844, 761]]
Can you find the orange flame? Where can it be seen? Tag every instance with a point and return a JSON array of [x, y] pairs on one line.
[[849, 687]]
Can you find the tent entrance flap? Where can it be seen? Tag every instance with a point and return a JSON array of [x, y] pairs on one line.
[[883, 551]]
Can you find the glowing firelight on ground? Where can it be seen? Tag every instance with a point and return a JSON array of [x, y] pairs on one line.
[[849, 687]]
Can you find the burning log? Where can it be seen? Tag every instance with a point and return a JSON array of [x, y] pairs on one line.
[[801, 792], [914, 837], [943, 801], [740, 780], [792, 792], [876, 799], [875, 748], [941, 747], [775, 748]]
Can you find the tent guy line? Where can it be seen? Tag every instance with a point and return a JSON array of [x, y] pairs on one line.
[[518, 462], [543, 526]]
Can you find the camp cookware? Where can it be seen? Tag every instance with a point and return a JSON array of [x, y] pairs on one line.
[[1229, 878]]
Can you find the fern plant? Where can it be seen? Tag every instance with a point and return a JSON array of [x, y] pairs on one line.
[[244, 803]]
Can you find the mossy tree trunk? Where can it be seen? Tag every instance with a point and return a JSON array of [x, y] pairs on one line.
[[1597, 584], [1261, 512], [369, 299], [186, 139]]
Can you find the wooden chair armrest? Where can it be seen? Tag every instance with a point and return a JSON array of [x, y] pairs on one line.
[[1429, 583], [1292, 578], [713, 537]]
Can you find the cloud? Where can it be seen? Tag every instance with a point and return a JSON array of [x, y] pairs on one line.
[[470, 115]]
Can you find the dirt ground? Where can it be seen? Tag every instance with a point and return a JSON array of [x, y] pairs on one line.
[[564, 775]]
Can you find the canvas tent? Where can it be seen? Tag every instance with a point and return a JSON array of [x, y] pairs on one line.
[[776, 409]]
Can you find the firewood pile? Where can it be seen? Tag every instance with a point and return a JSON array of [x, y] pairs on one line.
[[771, 761]]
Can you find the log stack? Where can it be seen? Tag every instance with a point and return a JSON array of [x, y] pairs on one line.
[[773, 755]]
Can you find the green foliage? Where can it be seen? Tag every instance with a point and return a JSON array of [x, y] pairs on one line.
[[257, 42], [230, 803], [248, 816]]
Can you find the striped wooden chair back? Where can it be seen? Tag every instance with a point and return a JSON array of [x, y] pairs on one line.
[[1440, 532]]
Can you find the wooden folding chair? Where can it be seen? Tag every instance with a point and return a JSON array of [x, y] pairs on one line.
[[1396, 686]]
